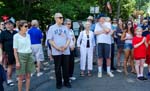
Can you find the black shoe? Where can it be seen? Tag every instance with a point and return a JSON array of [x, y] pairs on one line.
[[68, 85], [139, 78], [113, 68], [59, 86], [143, 78]]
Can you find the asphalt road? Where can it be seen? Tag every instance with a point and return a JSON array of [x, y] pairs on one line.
[[120, 82]]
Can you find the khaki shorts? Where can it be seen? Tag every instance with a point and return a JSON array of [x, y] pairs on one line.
[[26, 63], [37, 51]]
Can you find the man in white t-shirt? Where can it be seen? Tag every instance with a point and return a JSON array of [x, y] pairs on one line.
[[103, 34]]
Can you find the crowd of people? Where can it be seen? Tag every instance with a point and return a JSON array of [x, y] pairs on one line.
[[21, 47]]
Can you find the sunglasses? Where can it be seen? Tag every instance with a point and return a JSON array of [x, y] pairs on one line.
[[26, 26], [60, 17]]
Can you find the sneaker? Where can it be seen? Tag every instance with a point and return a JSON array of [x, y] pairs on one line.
[[110, 74], [99, 75], [139, 78], [39, 74], [144, 78], [118, 70], [72, 78]]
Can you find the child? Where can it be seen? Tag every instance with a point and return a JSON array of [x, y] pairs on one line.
[[148, 54], [139, 44]]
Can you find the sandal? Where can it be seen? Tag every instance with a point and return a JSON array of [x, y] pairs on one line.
[[82, 74], [10, 84], [89, 74]]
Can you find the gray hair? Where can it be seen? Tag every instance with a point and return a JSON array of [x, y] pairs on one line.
[[67, 20], [35, 23]]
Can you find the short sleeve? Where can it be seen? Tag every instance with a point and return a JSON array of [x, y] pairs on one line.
[[148, 38], [67, 34], [15, 42], [96, 28], [50, 34]]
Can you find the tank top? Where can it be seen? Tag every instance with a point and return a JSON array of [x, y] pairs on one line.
[[128, 36]]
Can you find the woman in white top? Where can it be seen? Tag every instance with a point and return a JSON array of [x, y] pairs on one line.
[[23, 55], [86, 43], [127, 37], [72, 47]]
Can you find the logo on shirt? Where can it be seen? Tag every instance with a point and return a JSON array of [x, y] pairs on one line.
[[60, 32]]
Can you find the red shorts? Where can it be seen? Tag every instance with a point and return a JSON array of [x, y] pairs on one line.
[[148, 60]]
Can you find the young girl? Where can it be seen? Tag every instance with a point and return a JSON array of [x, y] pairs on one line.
[[139, 44]]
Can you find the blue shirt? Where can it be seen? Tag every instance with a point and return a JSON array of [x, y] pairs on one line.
[[35, 35], [92, 28]]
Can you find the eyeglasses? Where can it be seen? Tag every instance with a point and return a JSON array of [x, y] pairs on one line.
[[60, 17], [68, 24]]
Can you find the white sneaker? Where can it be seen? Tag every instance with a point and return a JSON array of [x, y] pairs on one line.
[[39, 74], [72, 78], [110, 74], [118, 70], [99, 75]]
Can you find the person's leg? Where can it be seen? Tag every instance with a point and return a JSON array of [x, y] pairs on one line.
[[137, 65], [39, 57], [20, 82], [142, 61], [100, 57], [127, 52], [119, 56], [83, 53], [112, 57], [65, 70], [132, 62], [71, 63], [58, 64], [90, 60], [9, 71], [28, 81], [107, 55]]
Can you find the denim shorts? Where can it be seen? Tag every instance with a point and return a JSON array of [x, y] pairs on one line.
[[128, 46]]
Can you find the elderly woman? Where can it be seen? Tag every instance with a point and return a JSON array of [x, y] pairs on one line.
[[86, 44], [72, 47], [23, 55]]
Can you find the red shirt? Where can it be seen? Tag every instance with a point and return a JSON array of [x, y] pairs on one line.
[[148, 49], [139, 52]]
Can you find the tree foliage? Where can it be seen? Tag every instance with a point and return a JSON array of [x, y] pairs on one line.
[[44, 10]]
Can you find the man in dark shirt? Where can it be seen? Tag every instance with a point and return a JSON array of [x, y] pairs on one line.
[[146, 31], [6, 39]]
